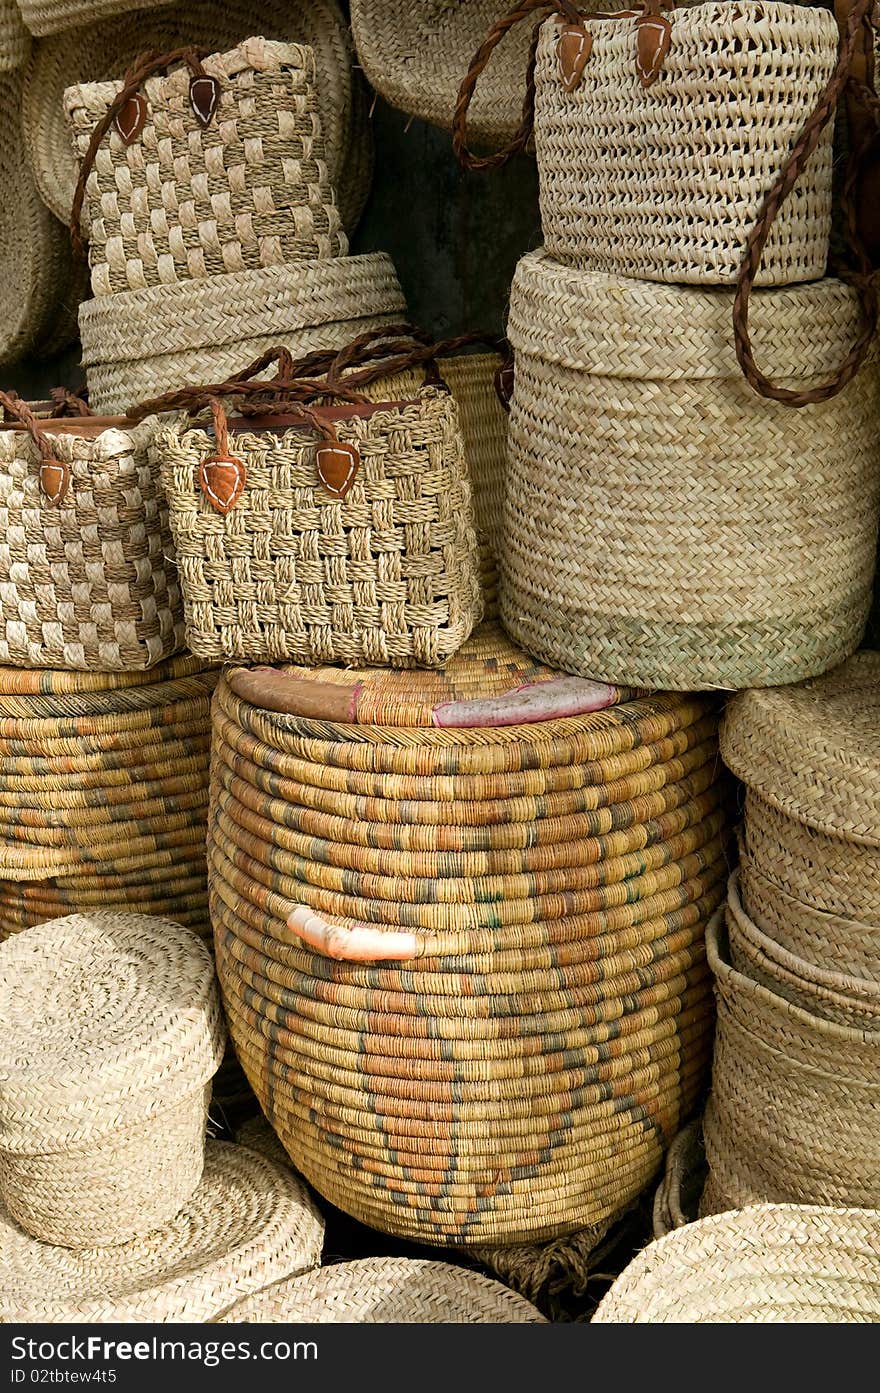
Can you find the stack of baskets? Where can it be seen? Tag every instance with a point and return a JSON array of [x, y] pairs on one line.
[[459, 926], [794, 1103]]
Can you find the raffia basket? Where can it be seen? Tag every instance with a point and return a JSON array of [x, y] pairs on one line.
[[508, 1013], [250, 185], [792, 1115], [769, 1264], [387, 1291], [15, 41], [829, 942], [104, 49], [86, 582], [104, 792], [141, 343], [111, 1032], [663, 525], [247, 1225], [677, 1200]]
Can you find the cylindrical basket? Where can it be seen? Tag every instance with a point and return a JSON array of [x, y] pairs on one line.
[[664, 526], [111, 1032], [459, 924], [15, 41]]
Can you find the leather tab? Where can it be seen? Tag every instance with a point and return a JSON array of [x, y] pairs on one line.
[[338, 464], [222, 481], [574, 46], [204, 96], [131, 118], [653, 39], [54, 481]]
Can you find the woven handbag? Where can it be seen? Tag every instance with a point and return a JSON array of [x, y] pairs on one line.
[[85, 576], [217, 166], [358, 549]]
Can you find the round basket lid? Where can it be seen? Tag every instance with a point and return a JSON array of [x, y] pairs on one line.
[[388, 1291], [774, 1263], [249, 1223], [104, 1017], [19, 681], [813, 750]]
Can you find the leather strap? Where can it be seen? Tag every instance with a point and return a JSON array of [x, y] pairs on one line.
[[54, 473]]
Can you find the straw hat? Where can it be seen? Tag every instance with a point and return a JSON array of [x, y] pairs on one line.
[[387, 1291], [104, 50], [768, 1264], [249, 1223]]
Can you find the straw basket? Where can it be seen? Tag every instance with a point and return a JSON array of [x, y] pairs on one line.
[[459, 922], [103, 793], [105, 49], [15, 41], [769, 1264], [141, 343], [248, 1224], [829, 942], [663, 525], [387, 1291], [793, 1111], [677, 1200], [111, 1032]]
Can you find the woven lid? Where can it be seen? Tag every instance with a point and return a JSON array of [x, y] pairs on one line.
[[48, 681], [249, 1223], [613, 326], [767, 1264], [813, 750], [389, 1291], [104, 1018]]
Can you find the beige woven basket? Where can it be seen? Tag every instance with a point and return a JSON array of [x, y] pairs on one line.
[[49, 16], [111, 1032], [250, 185], [247, 1225], [386, 573], [15, 41], [677, 1200], [665, 182], [105, 49], [387, 1291], [768, 1264], [85, 576], [792, 1111], [663, 525], [142, 343]]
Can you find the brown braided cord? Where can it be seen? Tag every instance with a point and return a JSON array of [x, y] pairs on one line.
[[18, 410], [860, 276]]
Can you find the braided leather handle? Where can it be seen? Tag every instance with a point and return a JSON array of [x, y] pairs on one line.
[[54, 474]]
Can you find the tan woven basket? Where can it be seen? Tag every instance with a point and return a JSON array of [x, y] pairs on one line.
[[250, 185], [387, 1291], [677, 1200], [111, 1032], [533, 880], [666, 545], [141, 343], [51, 16], [769, 1264], [15, 41], [792, 1111], [85, 577], [247, 1225], [386, 573]]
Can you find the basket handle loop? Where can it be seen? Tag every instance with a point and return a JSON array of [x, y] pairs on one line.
[[54, 474], [362, 944], [860, 275]]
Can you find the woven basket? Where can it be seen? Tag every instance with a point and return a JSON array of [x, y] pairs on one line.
[[792, 1115], [105, 49], [49, 16], [85, 582], [103, 793], [829, 942], [677, 1200], [248, 1224], [387, 1291], [143, 343], [536, 881], [189, 199], [111, 1032], [695, 535], [770, 1264], [15, 41], [385, 573]]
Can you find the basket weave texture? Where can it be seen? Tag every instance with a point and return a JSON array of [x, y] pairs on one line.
[[665, 182], [387, 1291], [517, 1075], [248, 1224], [15, 41], [388, 575], [185, 201], [688, 534], [769, 1264], [111, 1033]]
